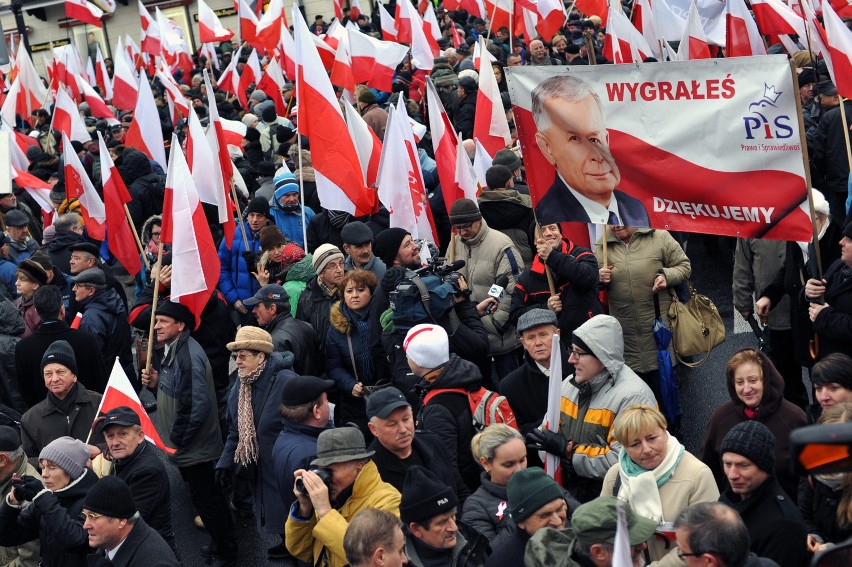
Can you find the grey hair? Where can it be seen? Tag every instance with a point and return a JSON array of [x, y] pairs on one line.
[[716, 528], [564, 87], [67, 222], [14, 455], [486, 443]]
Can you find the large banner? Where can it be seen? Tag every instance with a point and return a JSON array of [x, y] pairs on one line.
[[709, 146]]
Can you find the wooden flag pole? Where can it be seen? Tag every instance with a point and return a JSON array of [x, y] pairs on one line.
[[240, 216], [547, 271], [136, 236], [152, 340]]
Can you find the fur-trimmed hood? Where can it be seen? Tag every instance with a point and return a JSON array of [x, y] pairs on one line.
[[339, 321]]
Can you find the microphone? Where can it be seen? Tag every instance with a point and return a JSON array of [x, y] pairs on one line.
[[498, 290]]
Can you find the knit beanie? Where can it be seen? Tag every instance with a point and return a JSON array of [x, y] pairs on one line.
[[528, 490], [33, 271], [69, 454], [575, 340], [464, 211], [427, 345], [754, 441], [424, 496], [271, 236], [387, 242], [258, 205], [60, 352], [325, 254], [252, 134], [285, 182], [252, 338], [367, 97], [249, 119], [111, 497], [258, 95]]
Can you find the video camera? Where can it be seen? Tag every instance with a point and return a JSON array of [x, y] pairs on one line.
[[447, 273], [427, 294]]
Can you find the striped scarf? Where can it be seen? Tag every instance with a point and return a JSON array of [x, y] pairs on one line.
[[247, 448]]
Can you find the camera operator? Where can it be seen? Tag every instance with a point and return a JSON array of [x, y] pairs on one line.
[[319, 517]]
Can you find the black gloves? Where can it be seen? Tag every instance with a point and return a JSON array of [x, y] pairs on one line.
[[250, 260], [550, 441], [28, 489], [224, 479]]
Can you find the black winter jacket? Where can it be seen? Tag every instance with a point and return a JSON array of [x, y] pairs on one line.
[[314, 308], [143, 547], [829, 167], [11, 328], [298, 337], [58, 250], [834, 323], [487, 512], [146, 188], [465, 115], [145, 474], [818, 504], [470, 550]]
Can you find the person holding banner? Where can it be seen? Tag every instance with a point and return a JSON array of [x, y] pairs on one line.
[[572, 136]]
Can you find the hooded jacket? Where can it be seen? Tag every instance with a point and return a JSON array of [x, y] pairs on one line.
[[58, 250], [776, 413], [589, 410], [298, 277], [105, 317], [511, 213], [11, 329], [146, 188]]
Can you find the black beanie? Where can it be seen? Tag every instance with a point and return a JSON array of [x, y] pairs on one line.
[[424, 496], [258, 205], [111, 497], [60, 352], [268, 114], [252, 134], [754, 441], [575, 340], [386, 244], [464, 211]]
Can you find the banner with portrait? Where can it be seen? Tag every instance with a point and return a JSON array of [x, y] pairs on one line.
[[710, 146]]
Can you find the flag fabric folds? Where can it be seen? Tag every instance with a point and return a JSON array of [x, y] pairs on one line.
[[122, 242], [78, 185]]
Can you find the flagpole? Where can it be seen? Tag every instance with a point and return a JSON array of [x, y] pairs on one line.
[[491, 23], [547, 271], [302, 186], [151, 337], [240, 216], [136, 236]]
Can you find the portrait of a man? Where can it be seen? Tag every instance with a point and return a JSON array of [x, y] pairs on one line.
[[572, 136]]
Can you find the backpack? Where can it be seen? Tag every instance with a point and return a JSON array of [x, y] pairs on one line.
[[486, 407], [421, 299]]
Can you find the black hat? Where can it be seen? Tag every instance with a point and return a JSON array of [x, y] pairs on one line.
[[267, 113], [806, 77], [258, 205], [384, 402], [10, 439], [111, 497], [266, 169], [464, 211], [463, 49], [87, 247], [252, 134], [122, 415], [387, 242], [754, 441], [33, 271], [16, 218], [847, 230], [92, 276], [176, 311], [575, 340], [424, 496], [468, 83], [60, 352], [826, 88], [508, 158], [356, 233], [300, 390]]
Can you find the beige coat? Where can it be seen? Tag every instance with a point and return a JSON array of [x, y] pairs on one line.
[[691, 483], [634, 267]]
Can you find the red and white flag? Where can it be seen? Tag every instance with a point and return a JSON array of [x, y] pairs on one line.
[[205, 168], [554, 402], [31, 92], [624, 43], [248, 25], [643, 20], [229, 80], [693, 43], [481, 162], [742, 38], [210, 29], [67, 119], [39, 190], [444, 144], [388, 24], [249, 76], [90, 71], [68, 68], [551, 18], [150, 32], [122, 242], [500, 13], [334, 34], [367, 144], [354, 9], [218, 138], [97, 106], [325, 51], [338, 12], [79, 186], [125, 87], [145, 133], [373, 61], [102, 78], [287, 49], [490, 126], [411, 30], [84, 11], [431, 28], [268, 30], [271, 83], [341, 72], [195, 264], [119, 392], [774, 17], [477, 55], [340, 183], [840, 46], [233, 131], [175, 96]]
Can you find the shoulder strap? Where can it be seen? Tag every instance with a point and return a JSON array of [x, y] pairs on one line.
[[516, 271], [352, 357], [617, 486], [432, 393]]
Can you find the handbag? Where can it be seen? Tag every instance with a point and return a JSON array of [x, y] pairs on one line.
[[696, 325]]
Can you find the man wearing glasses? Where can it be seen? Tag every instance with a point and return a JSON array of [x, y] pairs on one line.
[[601, 387]]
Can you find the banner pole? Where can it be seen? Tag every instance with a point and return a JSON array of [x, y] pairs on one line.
[[547, 271], [136, 236], [152, 340], [491, 23], [590, 48], [240, 217]]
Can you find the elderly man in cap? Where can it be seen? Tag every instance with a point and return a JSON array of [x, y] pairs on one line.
[[591, 540], [135, 461], [399, 447], [21, 244], [105, 317], [350, 482], [186, 409], [775, 525], [288, 213], [69, 408], [374, 538], [320, 293], [85, 256], [305, 414], [118, 532], [271, 307], [29, 277], [358, 245], [433, 534], [13, 461], [69, 231]]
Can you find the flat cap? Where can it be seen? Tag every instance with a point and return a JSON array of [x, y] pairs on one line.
[[300, 390], [356, 232], [16, 218], [87, 247], [536, 318], [92, 276]]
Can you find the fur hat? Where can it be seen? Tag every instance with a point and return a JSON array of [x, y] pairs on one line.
[[33, 271]]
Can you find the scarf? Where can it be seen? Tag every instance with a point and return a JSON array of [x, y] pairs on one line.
[[247, 449], [66, 405], [641, 487], [360, 343], [833, 481], [338, 219], [751, 413]]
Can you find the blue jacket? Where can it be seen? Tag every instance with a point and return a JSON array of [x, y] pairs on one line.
[[265, 399], [235, 279], [290, 223], [105, 317], [7, 279], [294, 449]]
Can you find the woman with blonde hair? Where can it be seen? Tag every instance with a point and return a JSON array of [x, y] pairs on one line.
[[657, 476]]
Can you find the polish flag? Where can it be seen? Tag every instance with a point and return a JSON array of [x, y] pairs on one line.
[[79, 186], [84, 11], [816, 32], [500, 13], [173, 92], [594, 8], [217, 138], [134, 54], [444, 144], [432, 29], [250, 76], [670, 26], [145, 133], [334, 34], [840, 46], [122, 242], [490, 126], [466, 184], [268, 30], [97, 105], [774, 17], [481, 162], [624, 43], [338, 11], [388, 24], [195, 263], [403, 23], [102, 78], [233, 131], [67, 119], [202, 161], [208, 50], [150, 32], [374, 61], [411, 25], [68, 68], [643, 20], [125, 87], [552, 17], [210, 29], [477, 55], [340, 183], [742, 36], [367, 144], [475, 8], [229, 80], [248, 25], [90, 71], [287, 50], [693, 43], [39, 190], [341, 72], [456, 37], [325, 51], [31, 92], [271, 83], [400, 181], [119, 392], [354, 9], [525, 21]]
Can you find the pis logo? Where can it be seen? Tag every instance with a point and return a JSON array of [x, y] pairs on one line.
[[763, 121]]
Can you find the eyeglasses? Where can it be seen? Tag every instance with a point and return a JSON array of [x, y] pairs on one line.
[[156, 234], [465, 226], [92, 516], [578, 354], [242, 355], [681, 554], [333, 266]]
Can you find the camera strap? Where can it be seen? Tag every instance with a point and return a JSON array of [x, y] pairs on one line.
[[424, 294]]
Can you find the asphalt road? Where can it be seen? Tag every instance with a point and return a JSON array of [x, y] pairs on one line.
[[702, 390]]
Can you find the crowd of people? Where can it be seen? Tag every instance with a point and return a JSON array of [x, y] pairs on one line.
[[340, 390]]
